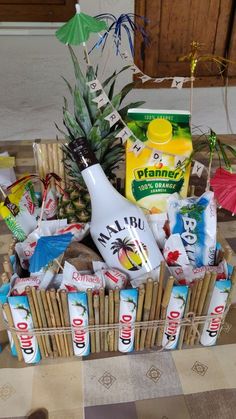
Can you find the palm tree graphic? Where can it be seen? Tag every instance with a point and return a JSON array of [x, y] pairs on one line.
[[126, 247]]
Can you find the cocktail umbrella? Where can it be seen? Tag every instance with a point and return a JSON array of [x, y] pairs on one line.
[[223, 184], [77, 30], [48, 248]]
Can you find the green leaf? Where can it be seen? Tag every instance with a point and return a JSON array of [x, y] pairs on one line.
[[114, 76], [68, 85], [66, 136], [231, 149], [72, 125], [123, 112], [126, 89], [80, 79], [224, 155], [81, 112], [111, 90]]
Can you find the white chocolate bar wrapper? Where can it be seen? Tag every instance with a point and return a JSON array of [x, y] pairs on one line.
[[78, 309], [128, 308], [4, 291], [19, 284], [74, 280], [217, 307], [23, 321], [188, 273], [175, 312]]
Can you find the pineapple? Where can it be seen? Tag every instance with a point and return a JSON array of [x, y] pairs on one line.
[[88, 121]]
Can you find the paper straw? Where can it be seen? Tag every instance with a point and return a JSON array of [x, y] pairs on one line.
[[53, 320], [183, 328], [49, 321], [152, 314], [106, 322], [164, 305], [146, 310], [58, 297], [39, 319], [66, 320], [8, 314], [57, 319], [44, 322], [111, 320], [96, 316], [159, 298], [116, 316], [102, 315], [35, 320], [91, 319], [141, 294]]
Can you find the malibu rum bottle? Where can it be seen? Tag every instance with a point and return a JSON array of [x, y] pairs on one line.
[[118, 227]]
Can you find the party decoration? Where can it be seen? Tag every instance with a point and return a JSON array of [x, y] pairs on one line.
[[223, 184], [47, 249], [77, 31]]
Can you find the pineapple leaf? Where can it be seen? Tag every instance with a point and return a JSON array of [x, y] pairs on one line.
[[114, 75], [94, 137], [123, 112], [81, 111], [81, 81], [66, 136], [68, 85], [72, 125], [126, 89], [111, 90]]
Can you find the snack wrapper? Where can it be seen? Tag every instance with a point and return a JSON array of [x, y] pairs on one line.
[[159, 226], [175, 312], [113, 278], [127, 317], [74, 280], [19, 284], [4, 291], [79, 230], [50, 208], [174, 251], [23, 321], [188, 273], [78, 309], [217, 307], [195, 220]]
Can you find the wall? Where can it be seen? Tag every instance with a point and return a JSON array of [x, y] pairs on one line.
[[31, 90]]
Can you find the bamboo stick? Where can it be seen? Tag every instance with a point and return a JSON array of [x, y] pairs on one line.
[[183, 328], [146, 310], [193, 296], [102, 315], [91, 319], [228, 253], [7, 268], [159, 298], [57, 320], [58, 297], [96, 316], [111, 320], [205, 286], [116, 316], [49, 321], [5, 278], [192, 332], [208, 300], [7, 311], [39, 158], [233, 281], [67, 320], [35, 320], [44, 322], [39, 319], [141, 294], [106, 320], [53, 321], [164, 305], [152, 314]]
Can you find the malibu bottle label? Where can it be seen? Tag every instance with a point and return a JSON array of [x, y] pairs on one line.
[[128, 309], [128, 244], [78, 309], [22, 319]]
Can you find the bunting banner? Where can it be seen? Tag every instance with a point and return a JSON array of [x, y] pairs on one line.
[[198, 168], [137, 147], [94, 85], [100, 100]]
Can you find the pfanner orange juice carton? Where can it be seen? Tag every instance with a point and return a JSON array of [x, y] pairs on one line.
[[157, 169]]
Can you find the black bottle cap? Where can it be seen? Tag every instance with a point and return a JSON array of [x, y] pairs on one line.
[[82, 153]]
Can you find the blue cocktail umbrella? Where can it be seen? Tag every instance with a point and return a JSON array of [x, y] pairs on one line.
[[48, 248]]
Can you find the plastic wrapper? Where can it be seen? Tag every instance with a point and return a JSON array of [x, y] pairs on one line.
[[7, 174], [50, 209], [113, 278], [127, 317], [23, 322], [174, 251], [74, 280], [216, 308], [188, 273], [78, 310], [160, 227], [175, 312], [79, 230], [4, 291], [19, 284], [195, 220]]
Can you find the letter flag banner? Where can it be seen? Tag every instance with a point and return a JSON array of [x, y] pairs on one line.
[[94, 85], [198, 168], [113, 118], [137, 147], [124, 134]]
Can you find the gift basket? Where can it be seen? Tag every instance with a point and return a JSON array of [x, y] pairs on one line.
[[95, 267]]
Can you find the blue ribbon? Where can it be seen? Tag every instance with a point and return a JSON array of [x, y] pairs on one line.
[[125, 21]]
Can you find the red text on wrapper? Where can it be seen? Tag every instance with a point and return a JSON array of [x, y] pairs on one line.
[[215, 323], [79, 335], [171, 331], [125, 334], [25, 340]]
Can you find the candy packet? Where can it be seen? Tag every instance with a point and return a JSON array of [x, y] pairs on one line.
[[50, 209], [127, 317], [195, 220], [160, 227], [79, 230], [19, 284], [78, 310], [4, 292], [188, 273], [74, 280], [113, 278], [174, 251]]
